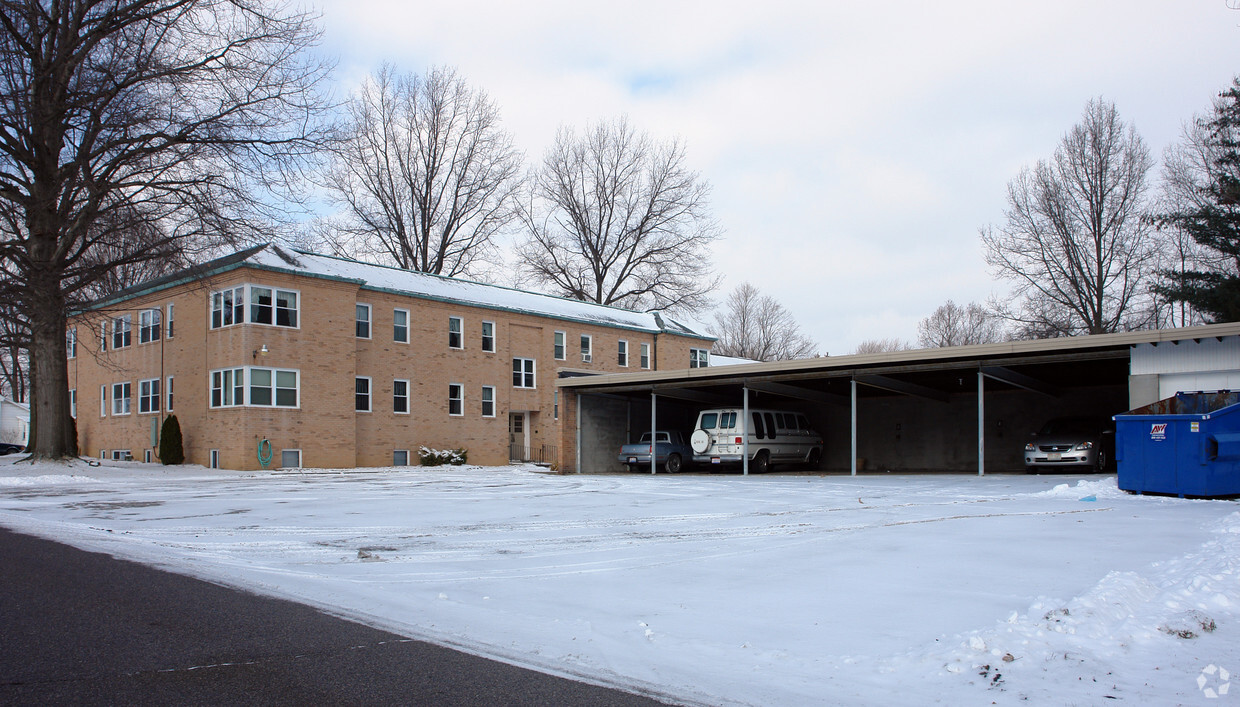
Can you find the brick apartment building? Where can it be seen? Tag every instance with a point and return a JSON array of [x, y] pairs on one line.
[[273, 357]]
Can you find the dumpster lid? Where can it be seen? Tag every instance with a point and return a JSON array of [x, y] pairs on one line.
[[1197, 403]]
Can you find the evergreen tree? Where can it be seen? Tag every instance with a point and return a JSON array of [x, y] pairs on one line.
[[171, 450], [1214, 222]]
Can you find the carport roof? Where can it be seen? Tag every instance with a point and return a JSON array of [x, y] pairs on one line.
[[1068, 350]]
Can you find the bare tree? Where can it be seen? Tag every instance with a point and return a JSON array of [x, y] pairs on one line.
[[616, 218], [425, 174], [755, 326], [953, 325], [189, 114], [870, 346], [1075, 243]]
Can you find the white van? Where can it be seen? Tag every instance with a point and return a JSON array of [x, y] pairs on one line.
[[775, 437]]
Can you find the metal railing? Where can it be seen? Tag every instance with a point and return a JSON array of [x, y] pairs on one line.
[[545, 454]]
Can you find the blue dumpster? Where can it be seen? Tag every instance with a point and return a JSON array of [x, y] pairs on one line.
[[1187, 445]]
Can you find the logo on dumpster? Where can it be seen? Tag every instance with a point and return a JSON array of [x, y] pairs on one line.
[[1158, 430]]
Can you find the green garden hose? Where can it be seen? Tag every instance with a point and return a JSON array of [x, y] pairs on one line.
[[264, 457]]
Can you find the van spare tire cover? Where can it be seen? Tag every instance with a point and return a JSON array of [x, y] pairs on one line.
[[700, 441]]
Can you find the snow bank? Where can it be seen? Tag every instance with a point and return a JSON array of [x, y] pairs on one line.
[[1102, 488], [46, 480]]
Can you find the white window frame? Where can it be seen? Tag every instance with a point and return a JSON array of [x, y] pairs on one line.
[[71, 342], [122, 455], [488, 338], [231, 385], [103, 335], [241, 307], [587, 348], [361, 323], [290, 451], [488, 398], [622, 353], [146, 396], [458, 332], [150, 325], [214, 459], [168, 395], [699, 358], [644, 353], [122, 331], [555, 406], [103, 401], [122, 404], [400, 451], [459, 389], [73, 403], [169, 326], [242, 378], [232, 312], [559, 346], [405, 397], [358, 393], [396, 330], [147, 456], [524, 373]]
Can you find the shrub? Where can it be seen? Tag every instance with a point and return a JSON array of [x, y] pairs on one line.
[[171, 450], [435, 457]]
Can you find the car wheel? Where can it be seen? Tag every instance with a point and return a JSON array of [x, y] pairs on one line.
[[1031, 470], [761, 463], [815, 458], [635, 468], [1100, 462], [673, 464]]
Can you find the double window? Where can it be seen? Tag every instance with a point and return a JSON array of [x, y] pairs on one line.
[[267, 387], [121, 336], [120, 398], [699, 358], [268, 305], [148, 395], [149, 325], [523, 373]]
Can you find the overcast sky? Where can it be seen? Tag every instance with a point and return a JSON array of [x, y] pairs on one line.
[[854, 148]]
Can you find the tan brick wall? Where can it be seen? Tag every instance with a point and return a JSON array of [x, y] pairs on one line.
[[329, 357]]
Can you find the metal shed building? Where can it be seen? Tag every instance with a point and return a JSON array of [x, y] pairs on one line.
[[966, 408]]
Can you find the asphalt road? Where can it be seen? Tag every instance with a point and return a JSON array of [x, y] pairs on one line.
[[85, 628]]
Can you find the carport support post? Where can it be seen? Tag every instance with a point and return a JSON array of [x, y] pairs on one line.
[[852, 462], [654, 438], [745, 427], [981, 423]]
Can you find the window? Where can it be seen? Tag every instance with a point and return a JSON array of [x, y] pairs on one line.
[[488, 337], [523, 373], [73, 403], [400, 326], [262, 306], [559, 346], [103, 336], [122, 455], [149, 325], [556, 408], [228, 387], [400, 396], [103, 401], [400, 457], [71, 342], [488, 401], [456, 399], [363, 321], [270, 387], [215, 459], [147, 456], [228, 307], [698, 358], [148, 395], [586, 344], [120, 331], [290, 458], [622, 353], [120, 398], [169, 320], [170, 394], [286, 308], [644, 352], [361, 398], [454, 333]]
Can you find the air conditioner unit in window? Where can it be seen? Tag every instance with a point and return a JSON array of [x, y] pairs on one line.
[[585, 358]]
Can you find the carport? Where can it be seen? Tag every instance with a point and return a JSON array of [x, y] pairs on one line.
[[950, 409]]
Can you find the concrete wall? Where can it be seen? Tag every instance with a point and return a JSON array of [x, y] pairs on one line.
[[604, 428]]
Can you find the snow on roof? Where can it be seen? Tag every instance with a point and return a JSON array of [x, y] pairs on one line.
[[438, 287], [717, 360]]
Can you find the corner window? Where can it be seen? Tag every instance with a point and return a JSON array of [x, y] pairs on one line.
[[400, 397], [454, 333], [698, 358], [120, 398], [586, 348], [523, 373], [148, 396], [456, 399], [228, 387], [400, 326], [363, 321], [559, 346], [149, 325], [622, 353], [268, 305], [121, 336], [228, 307], [488, 401], [361, 399], [488, 337], [268, 387], [645, 355]]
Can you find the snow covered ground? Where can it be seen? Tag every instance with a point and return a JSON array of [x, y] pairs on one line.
[[951, 589]]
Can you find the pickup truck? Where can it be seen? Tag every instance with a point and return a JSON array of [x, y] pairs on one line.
[[671, 452]]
